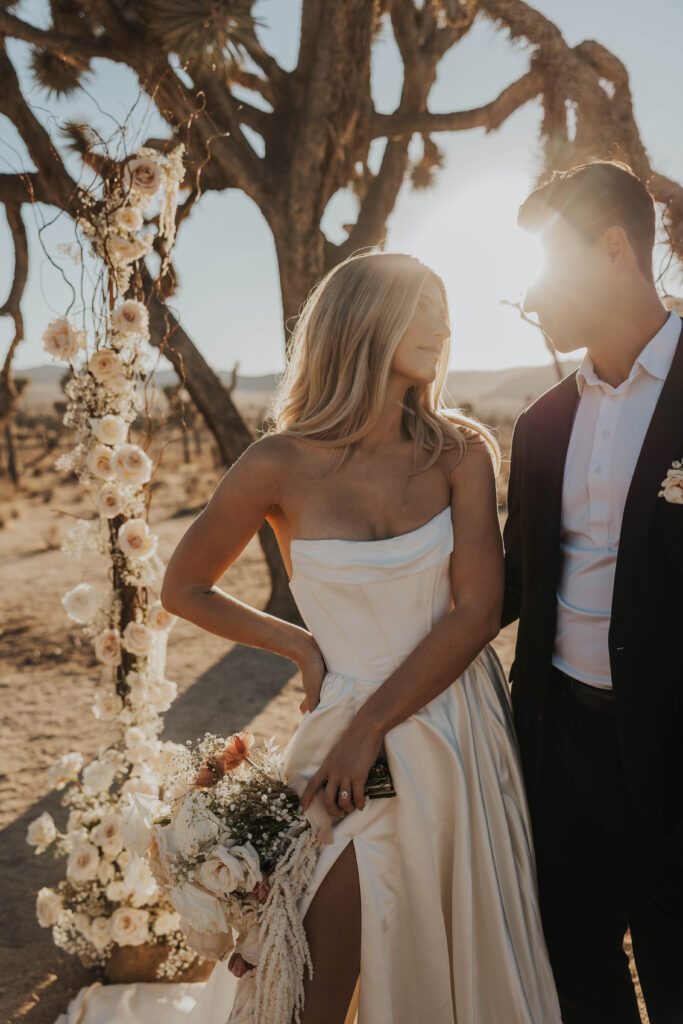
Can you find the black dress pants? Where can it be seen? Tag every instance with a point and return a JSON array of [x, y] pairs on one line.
[[597, 876]]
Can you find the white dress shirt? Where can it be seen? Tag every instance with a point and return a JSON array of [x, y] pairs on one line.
[[607, 435]]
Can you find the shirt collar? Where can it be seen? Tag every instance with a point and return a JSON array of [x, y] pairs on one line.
[[656, 358]]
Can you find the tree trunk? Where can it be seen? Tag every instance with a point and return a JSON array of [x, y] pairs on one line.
[[12, 460], [231, 433], [301, 265]]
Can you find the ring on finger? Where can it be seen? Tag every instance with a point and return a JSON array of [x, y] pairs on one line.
[[345, 797]]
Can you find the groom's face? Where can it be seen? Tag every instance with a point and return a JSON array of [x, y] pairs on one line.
[[571, 287]]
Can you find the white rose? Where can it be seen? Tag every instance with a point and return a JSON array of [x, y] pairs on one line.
[[137, 638], [131, 317], [129, 926], [128, 218], [106, 872], [249, 943], [194, 825], [110, 500], [48, 907], [165, 922], [65, 770], [108, 835], [135, 540], [200, 909], [143, 783], [139, 746], [224, 870], [673, 486], [162, 693], [120, 384], [168, 755], [211, 947], [673, 302], [125, 250], [98, 776], [137, 688], [158, 618], [100, 932], [74, 821], [83, 863], [81, 603], [140, 881], [109, 429], [100, 462], [138, 812], [108, 705], [132, 465], [142, 175], [108, 647], [41, 832], [83, 924], [116, 891], [175, 793], [61, 340], [105, 365]]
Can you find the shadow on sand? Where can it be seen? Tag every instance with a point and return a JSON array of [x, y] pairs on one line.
[[37, 980]]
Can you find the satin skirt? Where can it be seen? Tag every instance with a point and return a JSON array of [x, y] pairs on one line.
[[450, 929]]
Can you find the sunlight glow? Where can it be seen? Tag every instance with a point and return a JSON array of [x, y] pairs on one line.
[[473, 242]]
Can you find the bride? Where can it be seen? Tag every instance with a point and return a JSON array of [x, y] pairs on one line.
[[384, 508]]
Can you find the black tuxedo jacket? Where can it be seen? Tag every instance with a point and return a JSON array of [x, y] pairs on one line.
[[646, 629]]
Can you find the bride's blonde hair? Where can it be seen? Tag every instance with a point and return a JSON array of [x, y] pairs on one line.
[[334, 387]]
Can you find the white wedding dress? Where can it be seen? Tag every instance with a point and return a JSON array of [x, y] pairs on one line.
[[450, 931]]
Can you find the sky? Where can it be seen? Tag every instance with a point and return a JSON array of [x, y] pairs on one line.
[[464, 227]]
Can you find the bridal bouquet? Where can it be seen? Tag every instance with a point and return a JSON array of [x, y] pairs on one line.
[[234, 851]]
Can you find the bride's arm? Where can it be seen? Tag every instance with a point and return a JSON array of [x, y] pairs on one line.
[[477, 580], [249, 489]]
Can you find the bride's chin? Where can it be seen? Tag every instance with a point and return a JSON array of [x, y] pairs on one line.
[[415, 378]]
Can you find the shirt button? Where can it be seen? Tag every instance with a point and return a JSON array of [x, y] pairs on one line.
[[606, 433], [598, 470]]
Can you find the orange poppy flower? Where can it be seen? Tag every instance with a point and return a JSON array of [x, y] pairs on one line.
[[236, 750]]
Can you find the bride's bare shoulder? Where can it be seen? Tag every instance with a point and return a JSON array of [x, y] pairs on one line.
[[456, 456], [280, 455]]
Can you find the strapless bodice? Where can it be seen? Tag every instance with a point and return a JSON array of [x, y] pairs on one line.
[[368, 603]]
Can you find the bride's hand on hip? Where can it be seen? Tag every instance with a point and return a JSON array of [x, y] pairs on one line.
[[313, 670], [344, 772]]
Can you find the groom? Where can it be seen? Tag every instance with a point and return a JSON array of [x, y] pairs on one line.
[[594, 572]]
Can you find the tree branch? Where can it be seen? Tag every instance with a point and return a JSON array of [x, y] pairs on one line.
[[490, 116], [254, 117], [74, 50], [379, 201], [254, 83], [12, 306], [22, 188], [212, 124], [276, 75], [58, 186]]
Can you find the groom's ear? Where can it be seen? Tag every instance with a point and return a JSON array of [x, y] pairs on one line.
[[615, 244]]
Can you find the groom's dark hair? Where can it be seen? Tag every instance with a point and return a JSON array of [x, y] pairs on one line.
[[595, 197]]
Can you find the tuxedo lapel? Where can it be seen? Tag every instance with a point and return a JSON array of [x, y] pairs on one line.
[[552, 442], [661, 446]]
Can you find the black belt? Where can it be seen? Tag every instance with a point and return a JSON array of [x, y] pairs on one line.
[[591, 696]]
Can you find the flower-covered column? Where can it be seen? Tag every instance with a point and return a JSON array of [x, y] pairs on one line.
[[109, 898]]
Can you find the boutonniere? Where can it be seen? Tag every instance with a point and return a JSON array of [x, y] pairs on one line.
[[672, 484]]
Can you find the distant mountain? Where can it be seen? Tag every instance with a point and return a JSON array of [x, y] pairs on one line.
[[500, 390]]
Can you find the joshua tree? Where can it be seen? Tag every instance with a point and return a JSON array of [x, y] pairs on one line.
[[290, 140]]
